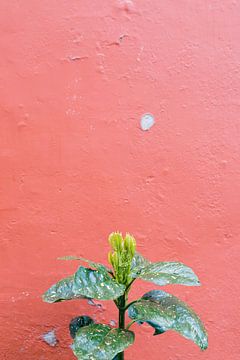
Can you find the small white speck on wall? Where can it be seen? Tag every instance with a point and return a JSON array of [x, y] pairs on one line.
[[147, 121], [50, 338]]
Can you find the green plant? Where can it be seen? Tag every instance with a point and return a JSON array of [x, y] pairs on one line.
[[159, 309]]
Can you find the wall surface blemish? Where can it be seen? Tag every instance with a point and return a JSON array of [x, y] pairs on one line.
[[147, 121]]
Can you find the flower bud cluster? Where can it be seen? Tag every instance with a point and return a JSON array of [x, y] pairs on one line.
[[123, 250]]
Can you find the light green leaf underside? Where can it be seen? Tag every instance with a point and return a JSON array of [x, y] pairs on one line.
[[97, 284], [164, 311], [62, 290], [100, 342], [91, 263], [163, 273], [138, 262]]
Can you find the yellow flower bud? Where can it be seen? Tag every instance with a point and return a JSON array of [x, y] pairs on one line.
[[130, 244], [121, 256], [110, 258], [127, 242], [115, 260], [115, 240]]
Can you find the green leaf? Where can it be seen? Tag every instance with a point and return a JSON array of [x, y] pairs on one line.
[[97, 284], [163, 273], [79, 322], [166, 312], [62, 290], [91, 263], [138, 262], [101, 342], [85, 283]]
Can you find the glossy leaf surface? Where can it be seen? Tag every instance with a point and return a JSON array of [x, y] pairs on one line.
[[101, 342], [164, 312], [163, 273], [97, 284], [62, 290]]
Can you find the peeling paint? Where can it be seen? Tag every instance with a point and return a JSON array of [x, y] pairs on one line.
[[112, 323], [95, 303], [50, 338], [147, 121], [77, 57]]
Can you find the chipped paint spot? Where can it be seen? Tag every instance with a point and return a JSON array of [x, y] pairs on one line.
[[112, 323], [76, 57], [127, 6], [95, 303], [147, 121], [50, 338]]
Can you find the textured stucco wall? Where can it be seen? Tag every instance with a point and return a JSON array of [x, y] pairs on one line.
[[75, 78]]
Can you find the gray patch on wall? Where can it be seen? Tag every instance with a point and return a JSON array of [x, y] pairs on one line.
[[112, 323], [147, 121], [50, 338]]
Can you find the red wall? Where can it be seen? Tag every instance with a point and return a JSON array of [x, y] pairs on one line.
[[75, 79]]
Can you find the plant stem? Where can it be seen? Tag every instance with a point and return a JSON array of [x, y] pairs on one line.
[[130, 324], [129, 285], [121, 322], [128, 305]]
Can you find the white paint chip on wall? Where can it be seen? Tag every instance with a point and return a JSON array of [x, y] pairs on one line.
[[50, 338], [147, 121]]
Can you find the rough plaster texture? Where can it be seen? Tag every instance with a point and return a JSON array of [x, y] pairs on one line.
[[75, 78]]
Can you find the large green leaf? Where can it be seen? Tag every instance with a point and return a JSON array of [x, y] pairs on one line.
[[163, 273], [166, 312], [85, 283], [97, 284], [62, 290], [100, 342]]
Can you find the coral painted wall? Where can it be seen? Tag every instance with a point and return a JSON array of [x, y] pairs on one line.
[[75, 79]]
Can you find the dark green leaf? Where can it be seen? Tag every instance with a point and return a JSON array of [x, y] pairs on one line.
[[97, 284], [62, 290], [100, 342], [163, 273], [77, 323], [165, 311], [158, 329]]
